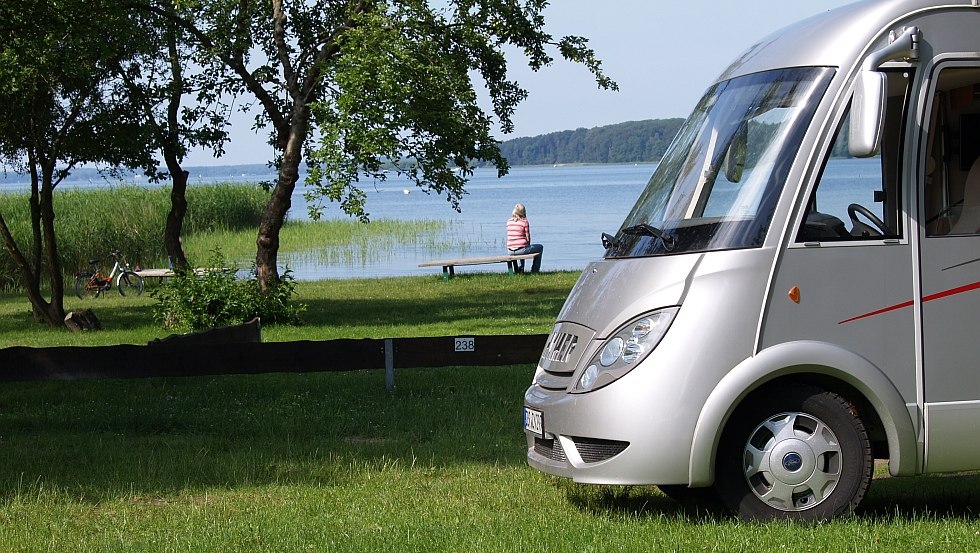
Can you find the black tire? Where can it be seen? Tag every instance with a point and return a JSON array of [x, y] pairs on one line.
[[82, 287], [129, 284], [823, 452]]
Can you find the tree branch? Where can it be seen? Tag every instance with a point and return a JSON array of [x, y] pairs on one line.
[[234, 62], [282, 50]]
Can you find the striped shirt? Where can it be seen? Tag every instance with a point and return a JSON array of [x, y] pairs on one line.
[[518, 233]]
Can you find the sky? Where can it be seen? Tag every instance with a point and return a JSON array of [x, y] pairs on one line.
[[662, 53]]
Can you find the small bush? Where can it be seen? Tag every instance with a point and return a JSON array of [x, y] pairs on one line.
[[200, 299]]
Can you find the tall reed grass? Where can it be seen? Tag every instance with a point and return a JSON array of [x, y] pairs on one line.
[[334, 241], [90, 223]]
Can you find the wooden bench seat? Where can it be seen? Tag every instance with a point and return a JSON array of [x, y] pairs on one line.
[[448, 265], [155, 273], [168, 273]]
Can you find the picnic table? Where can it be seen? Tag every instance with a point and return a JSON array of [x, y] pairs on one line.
[[449, 265]]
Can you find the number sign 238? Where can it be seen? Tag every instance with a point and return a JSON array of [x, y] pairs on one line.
[[465, 344]]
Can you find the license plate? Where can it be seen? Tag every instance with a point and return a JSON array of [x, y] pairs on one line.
[[534, 421]]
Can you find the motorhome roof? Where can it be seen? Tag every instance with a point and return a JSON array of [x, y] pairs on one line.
[[834, 38]]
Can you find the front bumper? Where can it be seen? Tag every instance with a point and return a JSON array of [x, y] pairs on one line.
[[624, 434]]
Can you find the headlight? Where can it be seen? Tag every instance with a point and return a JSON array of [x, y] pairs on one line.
[[611, 351], [625, 349]]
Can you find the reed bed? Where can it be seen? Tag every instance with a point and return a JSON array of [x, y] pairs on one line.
[[90, 223], [93, 222], [338, 241]]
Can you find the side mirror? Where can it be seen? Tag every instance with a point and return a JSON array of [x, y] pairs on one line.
[[868, 104], [867, 114]]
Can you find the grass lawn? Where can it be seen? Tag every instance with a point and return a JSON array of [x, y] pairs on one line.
[[479, 303], [333, 462]]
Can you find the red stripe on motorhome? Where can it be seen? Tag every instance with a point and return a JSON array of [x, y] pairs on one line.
[[930, 297]]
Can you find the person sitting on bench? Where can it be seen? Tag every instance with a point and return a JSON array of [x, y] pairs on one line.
[[519, 238]]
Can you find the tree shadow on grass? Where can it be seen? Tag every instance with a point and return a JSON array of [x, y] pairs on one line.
[[643, 502], [114, 316], [947, 496], [940, 497], [446, 311], [98, 440]]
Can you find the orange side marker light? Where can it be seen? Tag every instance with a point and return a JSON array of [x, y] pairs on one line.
[[794, 294]]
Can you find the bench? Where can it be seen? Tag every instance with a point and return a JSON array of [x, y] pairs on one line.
[[448, 265], [155, 273], [168, 273]]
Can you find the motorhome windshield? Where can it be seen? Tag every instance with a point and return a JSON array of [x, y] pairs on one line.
[[717, 186]]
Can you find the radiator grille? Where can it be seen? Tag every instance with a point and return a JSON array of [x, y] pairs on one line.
[[550, 449], [593, 450]]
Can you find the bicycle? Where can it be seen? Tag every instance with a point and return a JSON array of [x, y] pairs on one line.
[[93, 283]]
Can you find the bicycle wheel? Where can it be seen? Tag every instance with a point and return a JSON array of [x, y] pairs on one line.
[[129, 283], [85, 287]]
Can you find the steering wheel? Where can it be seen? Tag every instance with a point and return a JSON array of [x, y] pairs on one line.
[[879, 229]]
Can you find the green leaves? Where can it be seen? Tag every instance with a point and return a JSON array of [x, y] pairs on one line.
[[354, 86], [402, 94], [214, 296]]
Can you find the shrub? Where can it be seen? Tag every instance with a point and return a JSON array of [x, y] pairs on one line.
[[200, 299]]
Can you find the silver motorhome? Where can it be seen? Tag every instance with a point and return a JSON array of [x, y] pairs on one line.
[[797, 290]]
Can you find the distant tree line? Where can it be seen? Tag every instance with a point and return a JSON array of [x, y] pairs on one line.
[[629, 142]]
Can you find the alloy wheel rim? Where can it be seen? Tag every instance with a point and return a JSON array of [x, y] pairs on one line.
[[792, 461]]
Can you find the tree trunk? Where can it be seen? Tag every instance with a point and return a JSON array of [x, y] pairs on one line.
[[175, 218], [35, 207], [50, 312], [274, 214], [56, 278], [178, 198], [39, 305]]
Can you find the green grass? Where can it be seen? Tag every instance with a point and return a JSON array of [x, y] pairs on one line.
[[488, 303], [333, 462]]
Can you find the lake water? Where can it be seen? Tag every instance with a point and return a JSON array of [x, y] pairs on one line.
[[569, 207]]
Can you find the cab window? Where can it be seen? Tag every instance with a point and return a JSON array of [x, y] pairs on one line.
[[860, 199]]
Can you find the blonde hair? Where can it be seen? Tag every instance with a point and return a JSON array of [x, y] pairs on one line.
[[519, 211]]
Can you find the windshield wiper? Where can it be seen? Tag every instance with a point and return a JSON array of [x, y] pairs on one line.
[[609, 241], [645, 229]]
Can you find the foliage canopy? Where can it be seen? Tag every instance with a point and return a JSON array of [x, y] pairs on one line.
[[348, 86], [351, 85]]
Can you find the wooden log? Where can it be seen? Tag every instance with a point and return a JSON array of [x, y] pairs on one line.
[[80, 321]]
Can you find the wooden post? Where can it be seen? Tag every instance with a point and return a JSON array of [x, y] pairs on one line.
[[389, 365]]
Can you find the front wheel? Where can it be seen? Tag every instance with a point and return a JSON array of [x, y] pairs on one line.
[[802, 455], [129, 283], [86, 286]]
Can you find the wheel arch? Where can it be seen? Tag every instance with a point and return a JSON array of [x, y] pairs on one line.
[[815, 363]]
